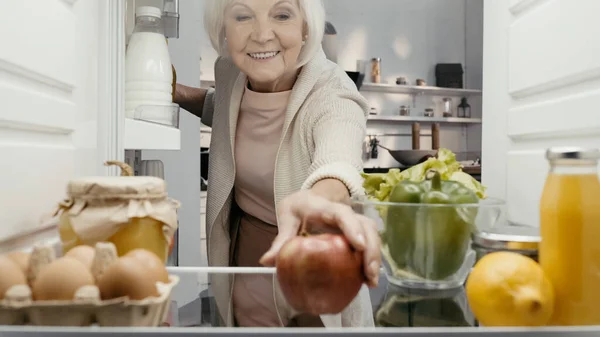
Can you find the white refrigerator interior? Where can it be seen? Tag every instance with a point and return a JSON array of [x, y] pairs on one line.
[[62, 111]]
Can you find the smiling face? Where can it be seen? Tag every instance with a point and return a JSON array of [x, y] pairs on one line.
[[264, 40]]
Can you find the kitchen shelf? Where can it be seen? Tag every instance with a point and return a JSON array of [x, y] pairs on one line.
[[422, 119], [417, 90], [141, 135]]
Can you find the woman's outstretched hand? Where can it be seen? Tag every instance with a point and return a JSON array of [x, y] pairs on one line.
[[324, 215]]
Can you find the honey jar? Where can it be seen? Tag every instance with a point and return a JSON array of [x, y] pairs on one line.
[[131, 212]]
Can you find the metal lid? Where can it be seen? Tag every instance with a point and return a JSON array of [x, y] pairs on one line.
[[574, 153], [509, 237], [376, 59]]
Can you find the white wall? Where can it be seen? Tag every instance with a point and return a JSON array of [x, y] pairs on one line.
[[474, 64]]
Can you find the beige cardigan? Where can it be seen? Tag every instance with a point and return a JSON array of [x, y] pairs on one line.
[[322, 137]]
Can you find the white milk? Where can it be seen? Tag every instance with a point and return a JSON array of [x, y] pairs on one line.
[[148, 74]]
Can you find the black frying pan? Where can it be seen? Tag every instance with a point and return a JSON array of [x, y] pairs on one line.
[[410, 157]]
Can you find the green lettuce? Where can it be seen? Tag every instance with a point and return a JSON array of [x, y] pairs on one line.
[[378, 186]]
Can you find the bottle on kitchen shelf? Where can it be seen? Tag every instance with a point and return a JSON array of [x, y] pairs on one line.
[[148, 68], [447, 107], [569, 230]]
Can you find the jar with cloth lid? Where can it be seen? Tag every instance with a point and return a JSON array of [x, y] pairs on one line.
[[131, 212]]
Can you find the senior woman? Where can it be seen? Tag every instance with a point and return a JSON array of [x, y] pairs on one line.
[[287, 129]]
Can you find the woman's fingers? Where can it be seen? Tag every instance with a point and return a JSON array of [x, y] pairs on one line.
[[343, 216], [372, 255], [270, 257], [289, 224], [360, 231]]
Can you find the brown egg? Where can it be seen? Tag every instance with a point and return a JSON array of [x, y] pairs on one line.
[[127, 277], [10, 275], [84, 254], [156, 268], [22, 259], [61, 279]]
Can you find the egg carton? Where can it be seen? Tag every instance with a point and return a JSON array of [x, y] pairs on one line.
[[86, 309]]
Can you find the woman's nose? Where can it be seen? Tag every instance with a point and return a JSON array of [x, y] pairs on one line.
[[263, 32]]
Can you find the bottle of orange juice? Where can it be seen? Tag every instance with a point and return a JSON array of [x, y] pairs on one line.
[[570, 232]]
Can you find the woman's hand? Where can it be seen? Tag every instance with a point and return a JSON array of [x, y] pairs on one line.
[[324, 215]]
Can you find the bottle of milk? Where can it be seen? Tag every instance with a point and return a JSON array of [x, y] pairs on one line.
[[148, 71]]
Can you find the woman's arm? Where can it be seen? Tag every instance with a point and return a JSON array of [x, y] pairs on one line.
[[338, 133], [190, 99], [332, 189]]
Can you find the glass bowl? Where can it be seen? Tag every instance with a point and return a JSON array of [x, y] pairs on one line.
[[428, 246]]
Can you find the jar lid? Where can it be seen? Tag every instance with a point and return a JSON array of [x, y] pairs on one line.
[[576, 153], [148, 11], [140, 187], [509, 237], [376, 59]]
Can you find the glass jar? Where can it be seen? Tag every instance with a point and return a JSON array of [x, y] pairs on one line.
[[404, 110], [447, 107], [570, 228], [376, 70], [131, 212], [518, 239]]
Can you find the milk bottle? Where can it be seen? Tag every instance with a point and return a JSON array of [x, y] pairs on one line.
[[148, 72]]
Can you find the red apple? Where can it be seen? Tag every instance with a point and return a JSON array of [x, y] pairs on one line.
[[319, 274]]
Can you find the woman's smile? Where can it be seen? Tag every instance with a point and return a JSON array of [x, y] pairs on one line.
[[264, 56]]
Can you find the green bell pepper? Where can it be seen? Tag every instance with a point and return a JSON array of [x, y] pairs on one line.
[[430, 241]]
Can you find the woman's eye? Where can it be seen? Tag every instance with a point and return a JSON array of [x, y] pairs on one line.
[[242, 18], [282, 17]]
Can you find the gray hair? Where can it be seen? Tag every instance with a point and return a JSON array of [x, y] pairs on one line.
[[313, 13]]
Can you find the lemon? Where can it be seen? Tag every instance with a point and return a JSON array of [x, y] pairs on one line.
[[509, 289]]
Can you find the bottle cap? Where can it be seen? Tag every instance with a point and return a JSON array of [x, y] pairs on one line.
[[573, 153], [148, 11]]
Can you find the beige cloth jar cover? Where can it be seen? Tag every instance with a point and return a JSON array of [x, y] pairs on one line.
[[97, 207]]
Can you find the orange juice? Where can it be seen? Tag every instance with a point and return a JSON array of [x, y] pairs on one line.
[[570, 232]]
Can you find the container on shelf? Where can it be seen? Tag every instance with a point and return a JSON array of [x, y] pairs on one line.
[[519, 239], [401, 81], [160, 114], [129, 211], [376, 70], [19, 305], [404, 110], [569, 228], [449, 75], [148, 68], [447, 107], [427, 246]]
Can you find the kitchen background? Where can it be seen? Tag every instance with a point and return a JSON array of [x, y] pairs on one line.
[[410, 37]]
